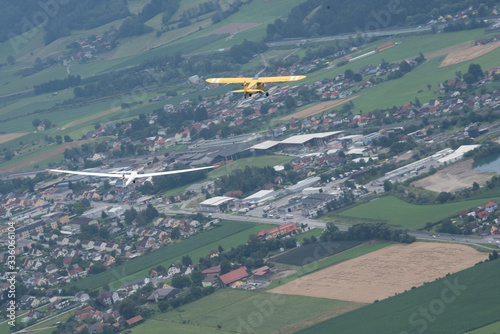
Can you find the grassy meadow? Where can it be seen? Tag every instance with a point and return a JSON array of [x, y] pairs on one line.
[[238, 310], [403, 214]]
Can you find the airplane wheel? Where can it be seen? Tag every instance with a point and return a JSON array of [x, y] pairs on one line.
[[267, 93], [250, 95]]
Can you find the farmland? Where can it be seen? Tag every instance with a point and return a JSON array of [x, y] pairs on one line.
[[458, 303], [314, 252], [228, 235], [332, 260], [239, 310], [400, 213], [383, 273]]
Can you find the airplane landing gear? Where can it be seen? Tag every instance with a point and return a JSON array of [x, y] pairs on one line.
[[267, 93]]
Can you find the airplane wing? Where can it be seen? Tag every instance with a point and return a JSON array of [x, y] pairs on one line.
[[85, 173], [262, 79], [229, 80], [174, 171]]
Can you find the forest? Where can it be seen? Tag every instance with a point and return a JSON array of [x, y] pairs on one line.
[[315, 18]]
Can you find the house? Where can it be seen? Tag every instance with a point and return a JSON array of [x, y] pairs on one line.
[[482, 215], [210, 281], [211, 272], [87, 312], [108, 298], [163, 294], [51, 268], [135, 284], [97, 327], [81, 297], [491, 206], [233, 276], [173, 270]]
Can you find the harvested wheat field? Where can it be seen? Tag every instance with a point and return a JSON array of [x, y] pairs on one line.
[[11, 136], [454, 177], [320, 107], [231, 28], [471, 53], [385, 272]]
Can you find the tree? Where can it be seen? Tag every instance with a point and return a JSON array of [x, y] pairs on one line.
[[357, 77], [348, 74], [128, 308], [225, 267], [36, 122], [181, 282], [476, 71], [475, 186], [104, 233], [404, 66], [47, 123], [387, 185], [186, 260], [163, 305], [197, 277]]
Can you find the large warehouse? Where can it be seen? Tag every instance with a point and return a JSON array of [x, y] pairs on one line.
[[311, 139], [217, 204]]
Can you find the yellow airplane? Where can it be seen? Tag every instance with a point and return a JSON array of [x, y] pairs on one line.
[[254, 85]]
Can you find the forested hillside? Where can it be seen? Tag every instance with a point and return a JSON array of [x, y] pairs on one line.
[[58, 20], [324, 17]]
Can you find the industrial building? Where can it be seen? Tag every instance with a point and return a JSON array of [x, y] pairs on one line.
[[217, 204]]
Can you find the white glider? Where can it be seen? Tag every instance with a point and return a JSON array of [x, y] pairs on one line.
[[131, 177]]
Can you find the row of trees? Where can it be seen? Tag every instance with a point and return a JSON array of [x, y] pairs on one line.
[[247, 180], [367, 231]]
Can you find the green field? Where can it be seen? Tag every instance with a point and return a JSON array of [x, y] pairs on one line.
[[403, 214], [259, 161], [229, 234], [490, 329], [238, 310], [453, 304], [347, 255]]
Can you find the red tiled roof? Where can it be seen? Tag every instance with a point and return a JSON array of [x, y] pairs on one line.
[[260, 271], [134, 320], [234, 275], [213, 270]]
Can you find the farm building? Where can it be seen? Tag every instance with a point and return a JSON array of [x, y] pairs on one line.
[[385, 46], [233, 276], [217, 204], [285, 229]]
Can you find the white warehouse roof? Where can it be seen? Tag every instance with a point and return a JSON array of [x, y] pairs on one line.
[[301, 139], [265, 145], [217, 200]]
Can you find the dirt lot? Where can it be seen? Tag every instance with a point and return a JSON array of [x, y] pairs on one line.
[[91, 117], [11, 136], [445, 51], [43, 156], [317, 108], [383, 273], [232, 28], [454, 177], [471, 53]]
